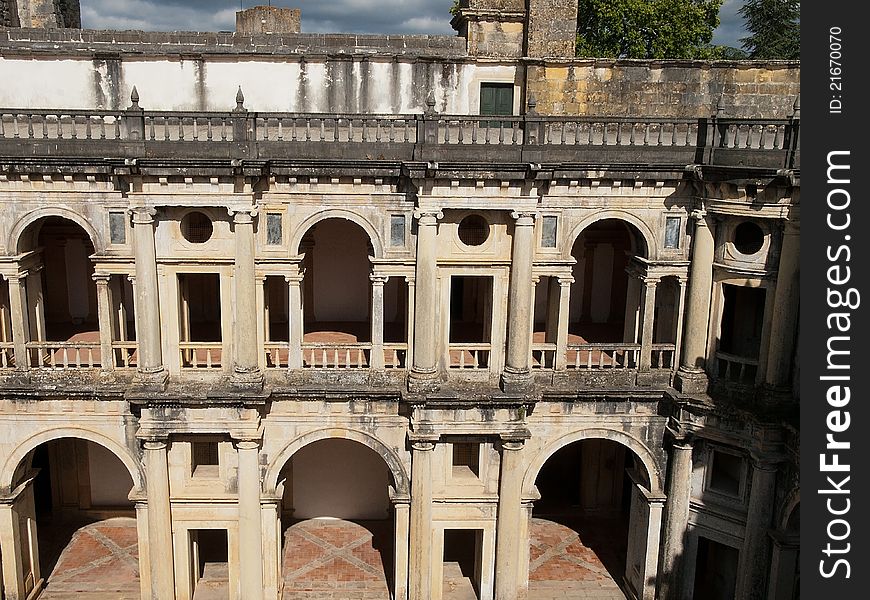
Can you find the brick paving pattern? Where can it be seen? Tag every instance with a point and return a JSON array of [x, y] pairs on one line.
[[101, 561], [326, 559]]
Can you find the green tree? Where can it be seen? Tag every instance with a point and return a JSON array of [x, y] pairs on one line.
[[774, 28], [646, 28]]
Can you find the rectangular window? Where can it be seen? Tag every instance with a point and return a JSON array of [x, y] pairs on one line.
[[466, 459], [726, 473], [117, 228], [204, 459], [397, 230], [274, 230], [496, 98], [548, 231], [672, 232]]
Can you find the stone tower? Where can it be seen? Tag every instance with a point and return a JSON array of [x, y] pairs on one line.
[[48, 14]]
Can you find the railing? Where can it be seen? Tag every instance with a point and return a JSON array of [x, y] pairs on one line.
[[336, 356], [603, 356], [125, 355], [201, 355], [543, 355], [63, 355], [662, 356], [395, 356], [7, 355], [737, 369], [277, 355], [401, 137], [469, 356]]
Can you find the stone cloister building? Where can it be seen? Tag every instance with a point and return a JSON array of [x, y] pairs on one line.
[[458, 291]]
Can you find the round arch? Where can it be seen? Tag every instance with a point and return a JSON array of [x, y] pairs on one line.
[[338, 213], [397, 470], [792, 502], [18, 230], [28, 445], [642, 228], [639, 448]]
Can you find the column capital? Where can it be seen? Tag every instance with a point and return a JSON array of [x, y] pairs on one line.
[[699, 215], [512, 444], [143, 215], [566, 280], [428, 216], [378, 279], [101, 278], [156, 444], [790, 227], [764, 463], [524, 218], [651, 280], [247, 444], [243, 216], [422, 443]]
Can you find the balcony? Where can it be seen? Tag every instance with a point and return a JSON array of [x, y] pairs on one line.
[[240, 134]]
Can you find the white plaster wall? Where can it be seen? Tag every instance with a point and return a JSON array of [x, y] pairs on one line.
[[110, 480], [47, 83], [341, 479], [267, 86], [163, 84]]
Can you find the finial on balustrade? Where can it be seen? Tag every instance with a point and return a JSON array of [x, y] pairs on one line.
[[796, 109], [240, 100], [531, 104], [430, 104], [720, 106], [134, 98]]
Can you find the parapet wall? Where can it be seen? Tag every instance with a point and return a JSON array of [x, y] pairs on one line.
[[687, 89]]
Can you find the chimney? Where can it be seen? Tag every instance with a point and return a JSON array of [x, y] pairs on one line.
[[268, 19]]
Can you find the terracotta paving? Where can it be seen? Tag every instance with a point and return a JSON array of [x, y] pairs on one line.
[[575, 559], [100, 560], [331, 558]]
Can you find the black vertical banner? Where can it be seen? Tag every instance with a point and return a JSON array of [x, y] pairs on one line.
[[835, 299]]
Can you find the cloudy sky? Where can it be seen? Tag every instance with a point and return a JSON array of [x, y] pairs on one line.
[[358, 16]]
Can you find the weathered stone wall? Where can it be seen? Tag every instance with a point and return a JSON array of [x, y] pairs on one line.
[[268, 19], [47, 14], [664, 88], [552, 28]]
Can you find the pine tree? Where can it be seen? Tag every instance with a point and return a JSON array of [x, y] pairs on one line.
[[774, 28]]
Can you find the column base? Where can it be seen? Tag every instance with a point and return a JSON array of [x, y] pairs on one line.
[[516, 381], [247, 380], [423, 381], [691, 382], [151, 381]]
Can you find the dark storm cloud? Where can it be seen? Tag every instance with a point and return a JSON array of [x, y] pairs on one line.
[[318, 16]]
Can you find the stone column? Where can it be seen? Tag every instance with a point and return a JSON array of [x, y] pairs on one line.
[[676, 520], [104, 317], [509, 541], [377, 321], [420, 546], [250, 521], [401, 524], [159, 521], [147, 297], [632, 305], [20, 322], [520, 293], [36, 304], [10, 540], [691, 377], [562, 324], [681, 310], [262, 319], [649, 313], [424, 368], [751, 580], [409, 316], [783, 566], [246, 367], [295, 318], [783, 325]]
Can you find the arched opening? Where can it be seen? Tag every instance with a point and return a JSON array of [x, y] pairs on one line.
[[586, 524], [63, 301], [337, 521], [603, 315], [78, 531]]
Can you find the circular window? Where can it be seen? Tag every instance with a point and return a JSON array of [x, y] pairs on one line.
[[748, 238], [196, 228], [473, 230]]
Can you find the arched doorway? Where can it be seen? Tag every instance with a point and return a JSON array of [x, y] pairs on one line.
[[589, 528], [77, 526], [604, 306], [337, 521]]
